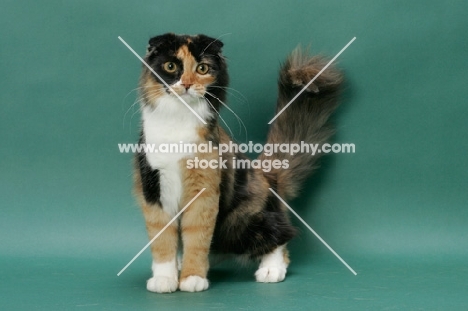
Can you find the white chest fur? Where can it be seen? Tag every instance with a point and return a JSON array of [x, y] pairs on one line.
[[172, 122]]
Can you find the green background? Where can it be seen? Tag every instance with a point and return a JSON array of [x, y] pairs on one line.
[[395, 210]]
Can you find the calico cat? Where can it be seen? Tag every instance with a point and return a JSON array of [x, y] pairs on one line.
[[236, 214]]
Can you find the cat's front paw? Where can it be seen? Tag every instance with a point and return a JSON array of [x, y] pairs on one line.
[[270, 274], [162, 284], [193, 283]]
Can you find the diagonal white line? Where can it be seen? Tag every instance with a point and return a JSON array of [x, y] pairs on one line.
[[162, 230], [311, 81], [315, 233], [164, 82]]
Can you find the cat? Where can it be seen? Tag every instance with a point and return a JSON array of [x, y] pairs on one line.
[[236, 214]]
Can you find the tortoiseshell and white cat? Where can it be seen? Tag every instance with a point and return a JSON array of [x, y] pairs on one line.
[[236, 214]]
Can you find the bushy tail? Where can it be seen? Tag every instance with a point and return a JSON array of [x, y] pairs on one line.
[[305, 120]]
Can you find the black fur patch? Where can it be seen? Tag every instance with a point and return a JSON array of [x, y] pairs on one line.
[[261, 234], [213, 133], [163, 49], [240, 190], [257, 234], [149, 179]]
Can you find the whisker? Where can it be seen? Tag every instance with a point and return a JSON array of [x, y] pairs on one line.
[[139, 100], [135, 89], [134, 113], [239, 120], [125, 97], [232, 135], [244, 99]]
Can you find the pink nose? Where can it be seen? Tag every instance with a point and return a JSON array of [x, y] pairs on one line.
[[186, 85]]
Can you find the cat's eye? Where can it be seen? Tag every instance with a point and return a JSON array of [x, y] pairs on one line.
[[170, 67], [202, 69]]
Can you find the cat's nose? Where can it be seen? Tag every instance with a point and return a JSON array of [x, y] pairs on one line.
[[186, 85]]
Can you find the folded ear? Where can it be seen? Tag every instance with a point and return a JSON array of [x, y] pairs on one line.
[[156, 43]]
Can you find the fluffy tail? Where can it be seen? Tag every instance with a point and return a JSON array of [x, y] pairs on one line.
[[305, 120]]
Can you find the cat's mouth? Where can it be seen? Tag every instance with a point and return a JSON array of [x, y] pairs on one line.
[[192, 91]]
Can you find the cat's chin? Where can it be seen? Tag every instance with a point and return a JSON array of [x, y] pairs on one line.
[[188, 97]]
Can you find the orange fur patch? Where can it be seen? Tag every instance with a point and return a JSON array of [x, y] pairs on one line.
[[151, 90], [190, 75], [202, 133], [286, 255]]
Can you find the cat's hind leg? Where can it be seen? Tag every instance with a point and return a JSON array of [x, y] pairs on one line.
[[273, 266]]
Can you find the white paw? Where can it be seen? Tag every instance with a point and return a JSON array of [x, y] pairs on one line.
[[193, 283], [162, 284], [270, 274]]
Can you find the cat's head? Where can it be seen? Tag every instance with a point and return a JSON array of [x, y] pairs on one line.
[[192, 66]]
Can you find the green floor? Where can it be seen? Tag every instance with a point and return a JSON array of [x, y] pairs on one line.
[[321, 284]]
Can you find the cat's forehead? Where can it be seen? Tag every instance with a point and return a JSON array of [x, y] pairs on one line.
[[197, 46]]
